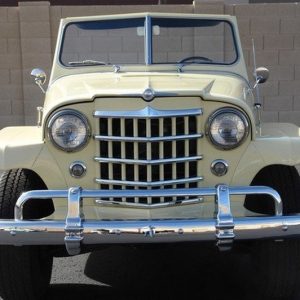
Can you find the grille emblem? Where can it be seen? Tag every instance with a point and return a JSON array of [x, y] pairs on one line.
[[148, 94]]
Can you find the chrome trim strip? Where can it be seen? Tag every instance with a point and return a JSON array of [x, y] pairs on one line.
[[148, 184], [43, 232], [148, 112], [147, 139], [148, 162], [148, 206], [148, 40]]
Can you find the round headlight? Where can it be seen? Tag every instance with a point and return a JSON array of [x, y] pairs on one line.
[[68, 130], [227, 128]]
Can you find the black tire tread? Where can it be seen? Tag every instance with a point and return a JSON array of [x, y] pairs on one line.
[[278, 263], [25, 271]]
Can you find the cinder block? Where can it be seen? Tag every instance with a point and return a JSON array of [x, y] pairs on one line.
[[4, 76], [43, 61], [289, 57], [281, 9], [269, 116], [30, 120], [80, 45], [10, 92], [296, 105], [245, 10], [297, 72], [289, 25], [289, 88], [209, 8], [36, 45], [265, 57], [33, 97], [246, 41], [3, 46], [266, 25], [14, 46], [35, 30], [13, 14], [17, 107], [121, 57], [3, 14], [10, 61], [15, 76], [5, 107], [55, 13], [270, 88], [229, 10], [290, 117], [244, 25], [167, 44], [297, 42], [281, 72], [9, 30], [278, 103], [106, 44], [6, 121], [34, 13], [133, 44], [278, 42]]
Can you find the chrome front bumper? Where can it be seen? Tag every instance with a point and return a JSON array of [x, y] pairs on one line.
[[75, 230]]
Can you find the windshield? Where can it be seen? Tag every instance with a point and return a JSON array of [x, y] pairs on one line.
[[148, 41]]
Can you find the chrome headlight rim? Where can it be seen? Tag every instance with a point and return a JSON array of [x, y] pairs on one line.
[[77, 114], [223, 110]]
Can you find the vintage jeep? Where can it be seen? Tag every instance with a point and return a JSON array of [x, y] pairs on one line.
[[149, 133]]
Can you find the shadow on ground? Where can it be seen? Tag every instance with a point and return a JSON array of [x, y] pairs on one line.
[[161, 273]]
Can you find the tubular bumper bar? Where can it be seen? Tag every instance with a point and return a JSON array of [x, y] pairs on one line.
[[75, 230]]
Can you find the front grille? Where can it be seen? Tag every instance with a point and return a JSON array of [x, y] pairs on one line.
[[149, 149]]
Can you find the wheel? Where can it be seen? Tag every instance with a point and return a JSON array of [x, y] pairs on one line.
[[276, 264], [25, 271]]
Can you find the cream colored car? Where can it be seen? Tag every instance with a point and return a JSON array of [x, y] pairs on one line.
[[149, 133]]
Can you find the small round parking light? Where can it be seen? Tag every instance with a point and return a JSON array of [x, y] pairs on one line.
[[77, 169], [219, 167]]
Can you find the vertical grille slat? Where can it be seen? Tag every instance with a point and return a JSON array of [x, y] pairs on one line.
[[158, 151]]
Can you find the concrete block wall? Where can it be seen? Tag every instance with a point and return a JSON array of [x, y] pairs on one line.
[[28, 38]]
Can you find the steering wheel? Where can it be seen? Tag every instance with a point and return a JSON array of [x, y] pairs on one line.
[[195, 58]]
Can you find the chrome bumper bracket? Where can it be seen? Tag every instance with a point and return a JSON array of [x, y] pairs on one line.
[[224, 222], [75, 230]]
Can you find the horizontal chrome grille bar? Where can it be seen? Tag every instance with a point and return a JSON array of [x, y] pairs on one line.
[[147, 112], [148, 184], [148, 139], [148, 206], [148, 162]]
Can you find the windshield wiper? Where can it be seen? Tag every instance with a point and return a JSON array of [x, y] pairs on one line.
[[87, 62]]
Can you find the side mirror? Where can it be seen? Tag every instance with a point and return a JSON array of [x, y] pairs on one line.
[[39, 77], [262, 75]]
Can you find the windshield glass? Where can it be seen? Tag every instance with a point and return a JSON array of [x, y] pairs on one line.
[[138, 41]]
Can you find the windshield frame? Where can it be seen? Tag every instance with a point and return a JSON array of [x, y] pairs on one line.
[[148, 43]]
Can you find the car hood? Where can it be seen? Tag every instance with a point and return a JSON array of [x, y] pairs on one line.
[[225, 87]]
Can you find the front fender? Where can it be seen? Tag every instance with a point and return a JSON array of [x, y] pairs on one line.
[[278, 144], [23, 147], [19, 147]]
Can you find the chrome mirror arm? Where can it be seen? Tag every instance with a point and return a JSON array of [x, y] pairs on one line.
[[39, 78]]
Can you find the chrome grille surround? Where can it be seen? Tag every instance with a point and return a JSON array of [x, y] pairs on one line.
[[149, 149]]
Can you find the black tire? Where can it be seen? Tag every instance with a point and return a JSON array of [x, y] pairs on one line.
[[276, 264], [25, 272]]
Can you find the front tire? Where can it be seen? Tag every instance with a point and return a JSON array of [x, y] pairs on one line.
[[25, 271], [277, 264]]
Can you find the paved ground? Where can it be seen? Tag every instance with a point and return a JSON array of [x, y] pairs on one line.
[[155, 273]]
